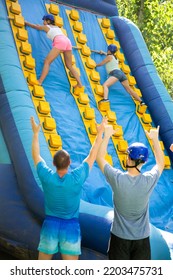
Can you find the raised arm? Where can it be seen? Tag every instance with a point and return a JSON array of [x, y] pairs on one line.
[[37, 26], [90, 159], [35, 142], [104, 61], [159, 156], [109, 131]]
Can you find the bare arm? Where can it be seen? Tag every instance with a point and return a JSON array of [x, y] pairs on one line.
[[102, 52], [37, 26], [90, 159], [159, 156], [109, 131], [35, 142], [104, 61]]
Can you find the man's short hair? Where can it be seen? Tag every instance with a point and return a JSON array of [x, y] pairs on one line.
[[61, 159]]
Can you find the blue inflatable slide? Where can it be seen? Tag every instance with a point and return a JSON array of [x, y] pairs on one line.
[[68, 120]]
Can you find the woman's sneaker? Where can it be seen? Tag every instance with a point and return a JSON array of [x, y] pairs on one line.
[[142, 103], [103, 100]]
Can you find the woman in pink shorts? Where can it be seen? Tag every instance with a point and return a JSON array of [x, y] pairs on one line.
[[60, 43]]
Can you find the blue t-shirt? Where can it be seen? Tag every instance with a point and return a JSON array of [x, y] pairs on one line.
[[131, 198], [62, 194]]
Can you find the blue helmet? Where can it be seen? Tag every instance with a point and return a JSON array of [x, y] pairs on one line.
[[48, 17], [112, 48], [138, 151]]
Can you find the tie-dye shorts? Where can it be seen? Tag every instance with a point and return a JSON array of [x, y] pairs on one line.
[[60, 235]]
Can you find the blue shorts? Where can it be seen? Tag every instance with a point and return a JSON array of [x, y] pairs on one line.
[[60, 235], [119, 75]]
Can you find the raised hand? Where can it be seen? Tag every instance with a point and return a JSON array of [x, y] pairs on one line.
[[153, 134], [109, 130], [101, 127], [35, 127]]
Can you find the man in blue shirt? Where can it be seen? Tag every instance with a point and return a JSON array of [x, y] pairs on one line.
[[131, 191], [62, 189]]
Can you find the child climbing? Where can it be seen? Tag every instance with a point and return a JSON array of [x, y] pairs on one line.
[[115, 74], [60, 44]]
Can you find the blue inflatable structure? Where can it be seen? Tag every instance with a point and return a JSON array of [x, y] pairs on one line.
[[21, 196]]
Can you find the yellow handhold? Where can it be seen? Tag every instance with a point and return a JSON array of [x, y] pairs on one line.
[[141, 109], [125, 68], [79, 90], [105, 23], [146, 118], [82, 39], [122, 145], [58, 21], [44, 107], [54, 9], [131, 80], [111, 116], [19, 21], [83, 98], [110, 34], [120, 56], [90, 63], [104, 106], [32, 79], [89, 113], [38, 91], [55, 141], [22, 34], [118, 130], [85, 50], [15, 8], [78, 26], [25, 48], [29, 62], [99, 90], [49, 123], [95, 76], [167, 162], [93, 128], [74, 15]]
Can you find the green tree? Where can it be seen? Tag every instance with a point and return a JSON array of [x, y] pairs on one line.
[[155, 20]]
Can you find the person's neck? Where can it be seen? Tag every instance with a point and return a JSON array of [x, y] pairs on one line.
[[62, 172], [133, 171]]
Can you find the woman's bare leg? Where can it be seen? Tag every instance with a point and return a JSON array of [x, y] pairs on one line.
[[48, 60], [109, 82], [68, 63], [130, 91]]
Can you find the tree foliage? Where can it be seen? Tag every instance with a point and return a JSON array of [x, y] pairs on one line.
[[155, 20]]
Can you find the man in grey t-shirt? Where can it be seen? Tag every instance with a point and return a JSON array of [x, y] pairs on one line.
[[131, 191]]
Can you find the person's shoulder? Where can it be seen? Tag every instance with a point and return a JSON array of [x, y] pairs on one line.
[[109, 168], [43, 166], [152, 172], [109, 57], [83, 165]]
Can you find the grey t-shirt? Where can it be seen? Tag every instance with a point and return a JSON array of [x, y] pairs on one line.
[[131, 198]]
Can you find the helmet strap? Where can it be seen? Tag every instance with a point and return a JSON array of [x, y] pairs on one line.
[[137, 162], [133, 166]]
